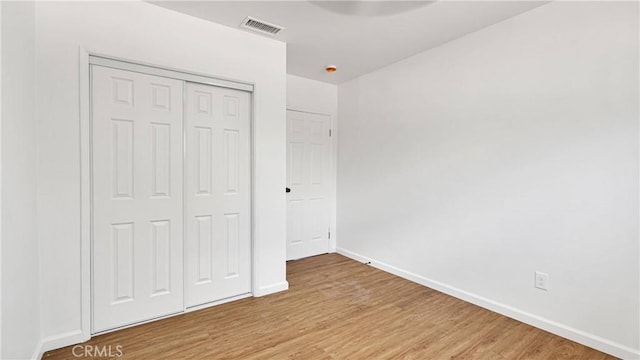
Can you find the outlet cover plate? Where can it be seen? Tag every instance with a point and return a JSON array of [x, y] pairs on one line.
[[541, 280]]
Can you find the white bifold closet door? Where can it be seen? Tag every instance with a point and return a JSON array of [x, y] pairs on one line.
[[217, 193], [143, 191], [137, 197]]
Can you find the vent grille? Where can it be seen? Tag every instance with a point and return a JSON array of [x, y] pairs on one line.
[[261, 26]]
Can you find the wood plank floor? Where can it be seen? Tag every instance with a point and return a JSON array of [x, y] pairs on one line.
[[337, 308]]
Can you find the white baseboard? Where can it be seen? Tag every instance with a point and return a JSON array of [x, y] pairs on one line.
[[59, 341], [38, 352], [562, 330], [77, 337], [271, 289]]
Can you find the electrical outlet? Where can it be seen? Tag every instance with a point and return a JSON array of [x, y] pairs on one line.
[[542, 281]]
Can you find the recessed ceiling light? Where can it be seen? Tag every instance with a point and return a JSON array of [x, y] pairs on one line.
[[330, 68]]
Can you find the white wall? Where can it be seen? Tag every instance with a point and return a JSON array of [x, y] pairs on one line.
[[20, 290], [322, 98], [146, 33], [510, 150], [312, 96], [1, 180]]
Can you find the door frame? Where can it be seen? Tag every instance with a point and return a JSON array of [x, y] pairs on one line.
[[333, 171], [86, 59]]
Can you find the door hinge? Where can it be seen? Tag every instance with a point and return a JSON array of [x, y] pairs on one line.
[[329, 233], [329, 132]]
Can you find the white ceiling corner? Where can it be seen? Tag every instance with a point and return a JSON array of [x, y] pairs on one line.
[[357, 36]]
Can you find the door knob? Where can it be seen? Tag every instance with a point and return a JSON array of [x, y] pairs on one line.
[[287, 190]]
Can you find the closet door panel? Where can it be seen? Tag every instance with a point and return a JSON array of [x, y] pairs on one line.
[[218, 193], [137, 189]]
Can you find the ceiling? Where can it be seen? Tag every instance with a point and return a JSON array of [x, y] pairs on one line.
[[357, 36]]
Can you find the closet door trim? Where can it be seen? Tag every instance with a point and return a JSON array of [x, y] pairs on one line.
[[168, 73]]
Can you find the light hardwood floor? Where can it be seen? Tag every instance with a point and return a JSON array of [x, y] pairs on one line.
[[337, 308]]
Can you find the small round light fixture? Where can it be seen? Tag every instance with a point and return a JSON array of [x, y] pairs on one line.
[[330, 68]]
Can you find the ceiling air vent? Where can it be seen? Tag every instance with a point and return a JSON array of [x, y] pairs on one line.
[[260, 26]]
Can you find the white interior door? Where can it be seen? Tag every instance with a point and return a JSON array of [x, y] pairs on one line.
[[218, 193], [137, 197], [307, 180]]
